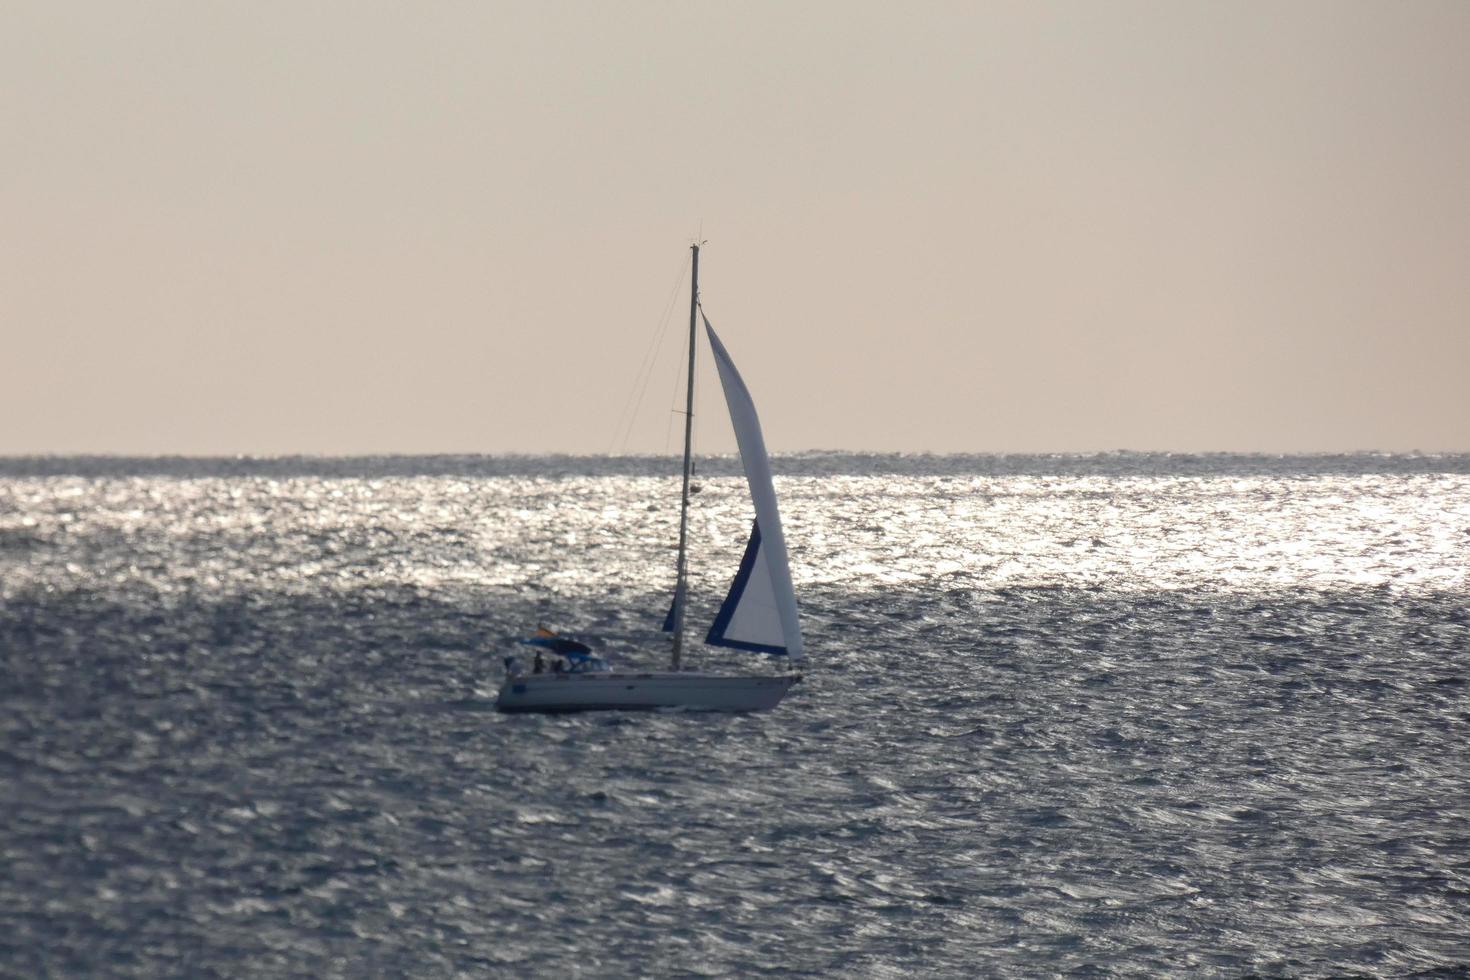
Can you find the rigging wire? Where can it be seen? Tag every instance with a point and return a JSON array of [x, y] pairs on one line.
[[698, 421], [674, 410], [629, 415]]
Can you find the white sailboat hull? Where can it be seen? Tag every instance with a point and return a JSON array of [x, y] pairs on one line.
[[616, 691]]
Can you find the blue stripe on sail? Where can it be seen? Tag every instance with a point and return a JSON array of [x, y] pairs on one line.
[[716, 637], [668, 626]]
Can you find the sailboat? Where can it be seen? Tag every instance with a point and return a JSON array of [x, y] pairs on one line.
[[758, 615]]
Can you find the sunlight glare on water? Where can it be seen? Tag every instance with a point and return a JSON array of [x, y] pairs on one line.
[[1112, 714]]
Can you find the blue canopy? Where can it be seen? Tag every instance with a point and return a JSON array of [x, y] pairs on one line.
[[561, 645]]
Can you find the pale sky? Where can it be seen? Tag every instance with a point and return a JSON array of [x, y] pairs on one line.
[[354, 227]]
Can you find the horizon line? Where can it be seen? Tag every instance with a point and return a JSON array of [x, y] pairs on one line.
[[788, 453]]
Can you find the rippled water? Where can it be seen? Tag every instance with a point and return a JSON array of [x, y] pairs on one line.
[[1114, 714]]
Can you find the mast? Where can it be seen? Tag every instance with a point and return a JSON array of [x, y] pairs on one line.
[[688, 466]]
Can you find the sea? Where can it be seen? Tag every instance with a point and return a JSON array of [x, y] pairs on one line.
[[1085, 715]]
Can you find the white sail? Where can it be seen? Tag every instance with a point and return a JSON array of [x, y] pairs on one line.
[[760, 611]]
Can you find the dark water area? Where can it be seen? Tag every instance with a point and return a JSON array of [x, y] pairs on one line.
[[1109, 715]]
